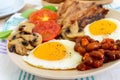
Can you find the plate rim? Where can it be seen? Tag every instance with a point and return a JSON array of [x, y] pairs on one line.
[[64, 77], [15, 10]]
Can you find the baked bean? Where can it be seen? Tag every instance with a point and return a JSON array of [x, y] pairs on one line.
[[84, 42], [114, 47], [87, 55], [76, 46], [118, 47], [97, 63], [78, 40], [107, 40], [106, 59], [110, 54], [118, 41], [105, 46], [118, 44], [81, 50], [82, 67], [117, 54], [88, 61], [93, 46], [90, 39], [97, 55], [101, 50]]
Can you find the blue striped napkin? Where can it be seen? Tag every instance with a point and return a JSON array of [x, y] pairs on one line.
[[3, 46]]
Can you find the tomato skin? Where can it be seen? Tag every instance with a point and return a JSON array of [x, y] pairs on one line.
[[43, 15], [48, 29], [45, 21]]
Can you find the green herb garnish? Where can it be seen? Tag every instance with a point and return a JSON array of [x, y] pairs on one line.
[[27, 13], [5, 34], [50, 7]]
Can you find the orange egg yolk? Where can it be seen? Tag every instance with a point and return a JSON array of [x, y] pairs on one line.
[[50, 51], [102, 27]]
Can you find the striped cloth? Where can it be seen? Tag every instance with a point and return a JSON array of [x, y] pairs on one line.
[[12, 23], [3, 46]]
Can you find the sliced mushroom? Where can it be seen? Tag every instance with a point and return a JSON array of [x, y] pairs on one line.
[[72, 31], [26, 27], [27, 45], [17, 46], [24, 39], [38, 39], [15, 35], [34, 39]]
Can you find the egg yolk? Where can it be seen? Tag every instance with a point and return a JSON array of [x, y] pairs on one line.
[[102, 27], [50, 51]]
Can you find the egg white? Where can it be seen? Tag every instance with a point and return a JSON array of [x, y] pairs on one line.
[[114, 35], [68, 62]]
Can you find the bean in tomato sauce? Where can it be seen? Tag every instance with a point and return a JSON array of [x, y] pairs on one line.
[[96, 53]]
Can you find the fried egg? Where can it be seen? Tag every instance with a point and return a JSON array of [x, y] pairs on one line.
[[55, 54], [104, 28]]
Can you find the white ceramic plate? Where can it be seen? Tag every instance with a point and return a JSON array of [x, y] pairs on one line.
[[99, 1], [13, 7], [95, 1], [65, 74]]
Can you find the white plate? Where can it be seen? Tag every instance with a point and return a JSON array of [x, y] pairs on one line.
[[6, 3], [95, 1], [11, 8], [63, 74]]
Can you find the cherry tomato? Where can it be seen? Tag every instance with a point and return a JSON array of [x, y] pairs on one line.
[[48, 29], [43, 15]]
